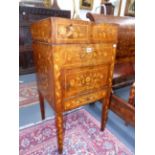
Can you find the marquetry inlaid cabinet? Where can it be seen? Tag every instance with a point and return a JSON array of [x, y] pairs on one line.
[[74, 62]]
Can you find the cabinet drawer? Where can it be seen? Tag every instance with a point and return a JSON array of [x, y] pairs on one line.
[[61, 30], [106, 33], [64, 31], [84, 99], [77, 81], [85, 55], [74, 31]]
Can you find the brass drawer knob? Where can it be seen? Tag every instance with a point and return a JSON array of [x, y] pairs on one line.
[[89, 49]]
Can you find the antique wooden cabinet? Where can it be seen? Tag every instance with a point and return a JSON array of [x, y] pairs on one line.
[[74, 64], [29, 13]]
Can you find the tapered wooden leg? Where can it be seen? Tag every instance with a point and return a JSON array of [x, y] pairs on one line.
[[105, 108], [59, 125], [42, 106]]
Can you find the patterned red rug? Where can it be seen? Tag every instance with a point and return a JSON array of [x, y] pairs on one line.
[[82, 137], [28, 94]]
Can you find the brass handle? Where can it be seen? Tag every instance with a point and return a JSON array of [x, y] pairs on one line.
[[88, 49]]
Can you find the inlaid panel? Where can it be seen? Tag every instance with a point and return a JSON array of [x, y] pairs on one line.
[[85, 54], [104, 33], [82, 80], [40, 31], [43, 62], [84, 99], [72, 32], [62, 31]]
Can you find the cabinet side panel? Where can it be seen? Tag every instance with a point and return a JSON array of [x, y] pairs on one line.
[[41, 30], [44, 70]]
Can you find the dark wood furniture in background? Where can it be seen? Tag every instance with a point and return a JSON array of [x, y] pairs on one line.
[[124, 109], [124, 71], [74, 64], [109, 8], [29, 13]]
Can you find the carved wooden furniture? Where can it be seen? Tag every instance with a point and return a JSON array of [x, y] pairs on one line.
[[124, 72], [124, 109], [28, 13], [74, 62]]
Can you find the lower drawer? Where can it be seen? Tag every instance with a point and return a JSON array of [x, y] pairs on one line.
[[84, 99], [77, 81]]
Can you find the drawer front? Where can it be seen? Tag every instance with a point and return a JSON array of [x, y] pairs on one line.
[[104, 33], [74, 31], [85, 55], [65, 31], [84, 99], [83, 80]]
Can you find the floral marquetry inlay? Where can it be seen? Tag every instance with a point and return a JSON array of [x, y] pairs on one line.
[[43, 61], [41, 32], [101, 33], [84, 99], [81, 80], [86, 54], [100, 53], [69, 31], [74, 65]]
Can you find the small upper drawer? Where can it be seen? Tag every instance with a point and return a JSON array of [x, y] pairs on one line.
[[72, 31], [61, 30], [106, 33]]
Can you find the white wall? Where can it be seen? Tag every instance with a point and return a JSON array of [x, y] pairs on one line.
[[116, 4], [68, 5], [123, 7]]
